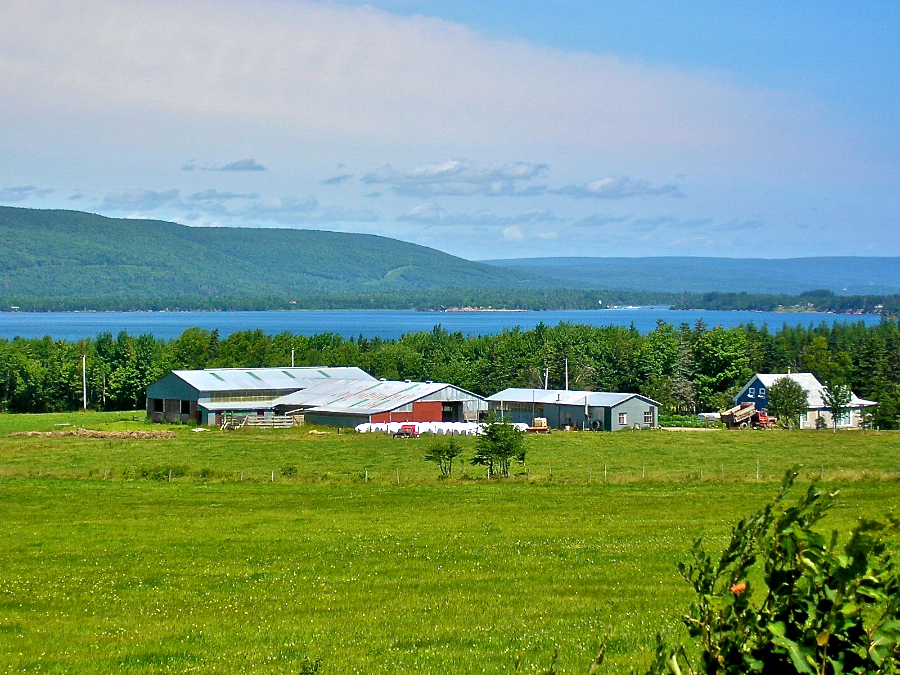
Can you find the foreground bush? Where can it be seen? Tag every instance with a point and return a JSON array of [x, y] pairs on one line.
[[783, 598]]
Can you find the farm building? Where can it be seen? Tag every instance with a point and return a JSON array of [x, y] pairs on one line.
[[334, 396], [757, 391], [203, 396], [597, 410], [349, 403]]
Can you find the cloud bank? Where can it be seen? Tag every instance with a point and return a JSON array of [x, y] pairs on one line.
[[288, 75], [618, 188], [461, 178]]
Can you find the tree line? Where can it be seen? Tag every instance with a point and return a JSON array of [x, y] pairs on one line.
[[437, 300], [810, 301], [685, 368]]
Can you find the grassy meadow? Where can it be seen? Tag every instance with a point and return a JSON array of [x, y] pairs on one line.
[[268, 550]]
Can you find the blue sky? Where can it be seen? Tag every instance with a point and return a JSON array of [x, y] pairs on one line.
[[484, 129]]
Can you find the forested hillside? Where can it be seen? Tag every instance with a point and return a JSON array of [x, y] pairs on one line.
[[685, 368], [70, 254], [791, 276], [69, 260]]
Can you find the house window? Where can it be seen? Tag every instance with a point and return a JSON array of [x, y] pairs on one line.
[[762, 392], [185, 407], [751, 392], [648, 417], [157, 405], [623, 418]]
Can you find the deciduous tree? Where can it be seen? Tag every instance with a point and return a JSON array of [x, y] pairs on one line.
[[787, 401]]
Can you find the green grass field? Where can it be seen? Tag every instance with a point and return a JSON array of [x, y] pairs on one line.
[[107, 566]]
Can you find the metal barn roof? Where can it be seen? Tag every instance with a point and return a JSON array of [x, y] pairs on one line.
[[603, 399], [364, 398], [243, 379]]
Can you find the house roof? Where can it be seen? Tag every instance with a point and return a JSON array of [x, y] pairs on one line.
[[815, 396], [363, 397], [603, 399], [243, 379]]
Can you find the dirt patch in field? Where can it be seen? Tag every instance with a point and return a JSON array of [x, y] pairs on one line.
[[88, 433]]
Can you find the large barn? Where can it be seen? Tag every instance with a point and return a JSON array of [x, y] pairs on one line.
[[203, 396], [349, 403], [597, 410], [334, 396]]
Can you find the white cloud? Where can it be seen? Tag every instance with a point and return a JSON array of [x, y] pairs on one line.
[[22, 192], [246, 209], [432, 214], [459, 177], [243, 165], [668, 223], [337, 180], [618, 188], [513, 233], [599, 220], [215, 195], [288, 75], [139, 200]]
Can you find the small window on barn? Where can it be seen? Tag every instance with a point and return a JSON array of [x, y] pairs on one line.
[[185, 407], [762, 392], [623, 418], [648, 416], [751, 392], [157, 405]]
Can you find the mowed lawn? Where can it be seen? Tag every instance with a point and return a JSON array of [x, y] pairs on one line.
[[209, 573]]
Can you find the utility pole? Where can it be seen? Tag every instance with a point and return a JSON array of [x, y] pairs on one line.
[[567, 374], [292, 357], [84, 380], [546, 378]]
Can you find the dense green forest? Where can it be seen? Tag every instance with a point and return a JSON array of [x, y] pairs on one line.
[[686, 368]]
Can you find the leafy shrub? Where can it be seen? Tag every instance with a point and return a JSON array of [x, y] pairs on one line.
[[498, 444], [443, 453], [689, 421], [288, 471], [161, 472], [820, 608]]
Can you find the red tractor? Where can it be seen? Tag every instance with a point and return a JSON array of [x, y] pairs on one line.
[[407, 431]]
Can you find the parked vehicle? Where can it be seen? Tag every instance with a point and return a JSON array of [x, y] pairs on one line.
[[407, 431], [746, 415]]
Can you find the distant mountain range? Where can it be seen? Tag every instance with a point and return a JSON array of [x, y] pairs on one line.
[[70, 254], [789, 276]]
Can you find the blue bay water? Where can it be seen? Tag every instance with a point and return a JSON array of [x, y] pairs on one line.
[[72, 326]]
